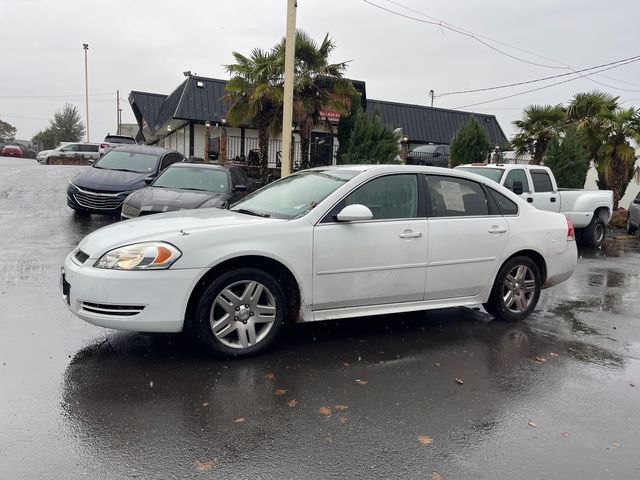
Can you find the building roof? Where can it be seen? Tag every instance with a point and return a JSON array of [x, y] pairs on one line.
[[202, 100], [146, 106], [424, 124]]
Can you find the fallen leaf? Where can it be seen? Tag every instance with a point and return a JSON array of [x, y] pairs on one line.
[[341, 407], [459, 381], [346, 364], [540, 359], [203, 466], [531, 423], [551, 354], [343, 419], [615, 445], [292, 403], [361, 382], [436, 476], [437, 364], [325, 410], [205, 404], [280, 391], [425, 439], [270, 376], [239, 420], [565, 434], [632, 383]]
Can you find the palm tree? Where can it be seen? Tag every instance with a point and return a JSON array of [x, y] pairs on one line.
[[255, 93], [318, 85], [539, 125], [616, 156], [585, 112]]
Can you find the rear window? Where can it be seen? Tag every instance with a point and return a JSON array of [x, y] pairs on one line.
[[494, 174], [119, 139]]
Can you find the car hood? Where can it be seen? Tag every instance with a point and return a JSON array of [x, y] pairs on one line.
[[173, 227], [153, 199], [109, 180]]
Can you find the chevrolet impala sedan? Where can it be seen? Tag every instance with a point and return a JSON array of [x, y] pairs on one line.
[[326, 243]]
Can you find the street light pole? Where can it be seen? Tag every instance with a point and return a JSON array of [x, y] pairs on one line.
[[287, 109], [432, 94], [86, 86]]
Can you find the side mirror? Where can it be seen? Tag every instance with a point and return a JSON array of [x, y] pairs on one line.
[[239, 188], [517, 188], [353, 213], [148, 180], [636, 200]]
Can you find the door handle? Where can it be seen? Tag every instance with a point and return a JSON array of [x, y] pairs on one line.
[[497, 229], [410, 234], [530, 199], [553, 199]]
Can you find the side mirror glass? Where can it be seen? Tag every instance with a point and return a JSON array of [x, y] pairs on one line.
[[637, 200], [148, 180], [240, 188], [517, 188], [353, 213]]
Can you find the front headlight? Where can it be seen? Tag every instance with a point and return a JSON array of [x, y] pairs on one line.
[[129, 211], [140, 256]]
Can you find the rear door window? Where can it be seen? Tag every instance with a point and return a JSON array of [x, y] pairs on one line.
[[456, 197], [541, 181], [506, 206]]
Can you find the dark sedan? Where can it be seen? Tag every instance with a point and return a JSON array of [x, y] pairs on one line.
[[103, 187], [190, 185]]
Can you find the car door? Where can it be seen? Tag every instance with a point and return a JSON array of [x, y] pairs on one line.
[[377, 261], [519, 175], [545, 197], [169, 159], [467, 237], [69, 151]]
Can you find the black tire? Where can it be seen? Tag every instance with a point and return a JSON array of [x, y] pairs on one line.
[[251, 311], [516, 290], [631, 230], [593, 234]]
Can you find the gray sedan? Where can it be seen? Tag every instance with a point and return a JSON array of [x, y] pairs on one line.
[[184, 186]]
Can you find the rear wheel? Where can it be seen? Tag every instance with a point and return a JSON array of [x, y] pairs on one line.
[[516, 290], [631, 229], [593, 234], [241, 313]]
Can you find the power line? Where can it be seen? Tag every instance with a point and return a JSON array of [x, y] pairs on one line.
[[545, 86], [507, 85], [56, 96], [474, 35]]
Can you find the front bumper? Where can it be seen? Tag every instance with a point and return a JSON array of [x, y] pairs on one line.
[[142, 301]]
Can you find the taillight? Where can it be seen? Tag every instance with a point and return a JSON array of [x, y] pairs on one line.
[[571, 235], [104, 145]]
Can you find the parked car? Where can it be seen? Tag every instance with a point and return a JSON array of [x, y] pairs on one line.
[[325, 243], [78, 150], [188, 185], [112, 141], [11, 151], [588, 210], [432, 155], [103, 187], [633, 216]]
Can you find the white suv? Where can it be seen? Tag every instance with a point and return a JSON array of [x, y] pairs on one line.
[[86, 151]]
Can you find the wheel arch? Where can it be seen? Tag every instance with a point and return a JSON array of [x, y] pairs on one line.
[[536, 257], [269, 265], [604, 213]]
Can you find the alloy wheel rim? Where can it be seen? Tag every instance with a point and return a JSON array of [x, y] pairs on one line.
[[242, 314], [519, 288]]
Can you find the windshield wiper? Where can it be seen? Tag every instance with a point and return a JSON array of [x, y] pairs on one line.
[[255, 213], [123, 170]]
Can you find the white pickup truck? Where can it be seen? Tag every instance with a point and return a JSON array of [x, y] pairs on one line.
[[588, 210]]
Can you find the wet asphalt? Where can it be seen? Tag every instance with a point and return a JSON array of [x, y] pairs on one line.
[[557, 396]]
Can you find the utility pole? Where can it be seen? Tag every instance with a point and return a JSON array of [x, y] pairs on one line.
[[287, 110], [86, 86], [117, 112], [432, 94]]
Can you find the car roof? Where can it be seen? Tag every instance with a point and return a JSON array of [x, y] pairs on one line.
[[148, 149]]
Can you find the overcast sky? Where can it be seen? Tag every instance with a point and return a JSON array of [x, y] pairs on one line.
[[146, 45]]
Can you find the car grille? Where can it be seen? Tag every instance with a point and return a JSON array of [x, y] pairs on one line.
[[81, 257], [98, 200], [111, 310]]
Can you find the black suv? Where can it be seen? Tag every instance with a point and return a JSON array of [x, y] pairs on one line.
[[103, 187]]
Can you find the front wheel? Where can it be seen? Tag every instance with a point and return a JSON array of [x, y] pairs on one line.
[[631, 229], [241, 313], [593, 234], [516, 290]]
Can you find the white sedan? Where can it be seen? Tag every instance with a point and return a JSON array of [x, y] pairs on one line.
[[322, 244]]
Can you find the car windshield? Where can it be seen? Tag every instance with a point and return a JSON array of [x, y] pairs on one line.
[[424, 149], [115, 139], [494, 174], [194, 178], [128, 161], [295, 195]]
